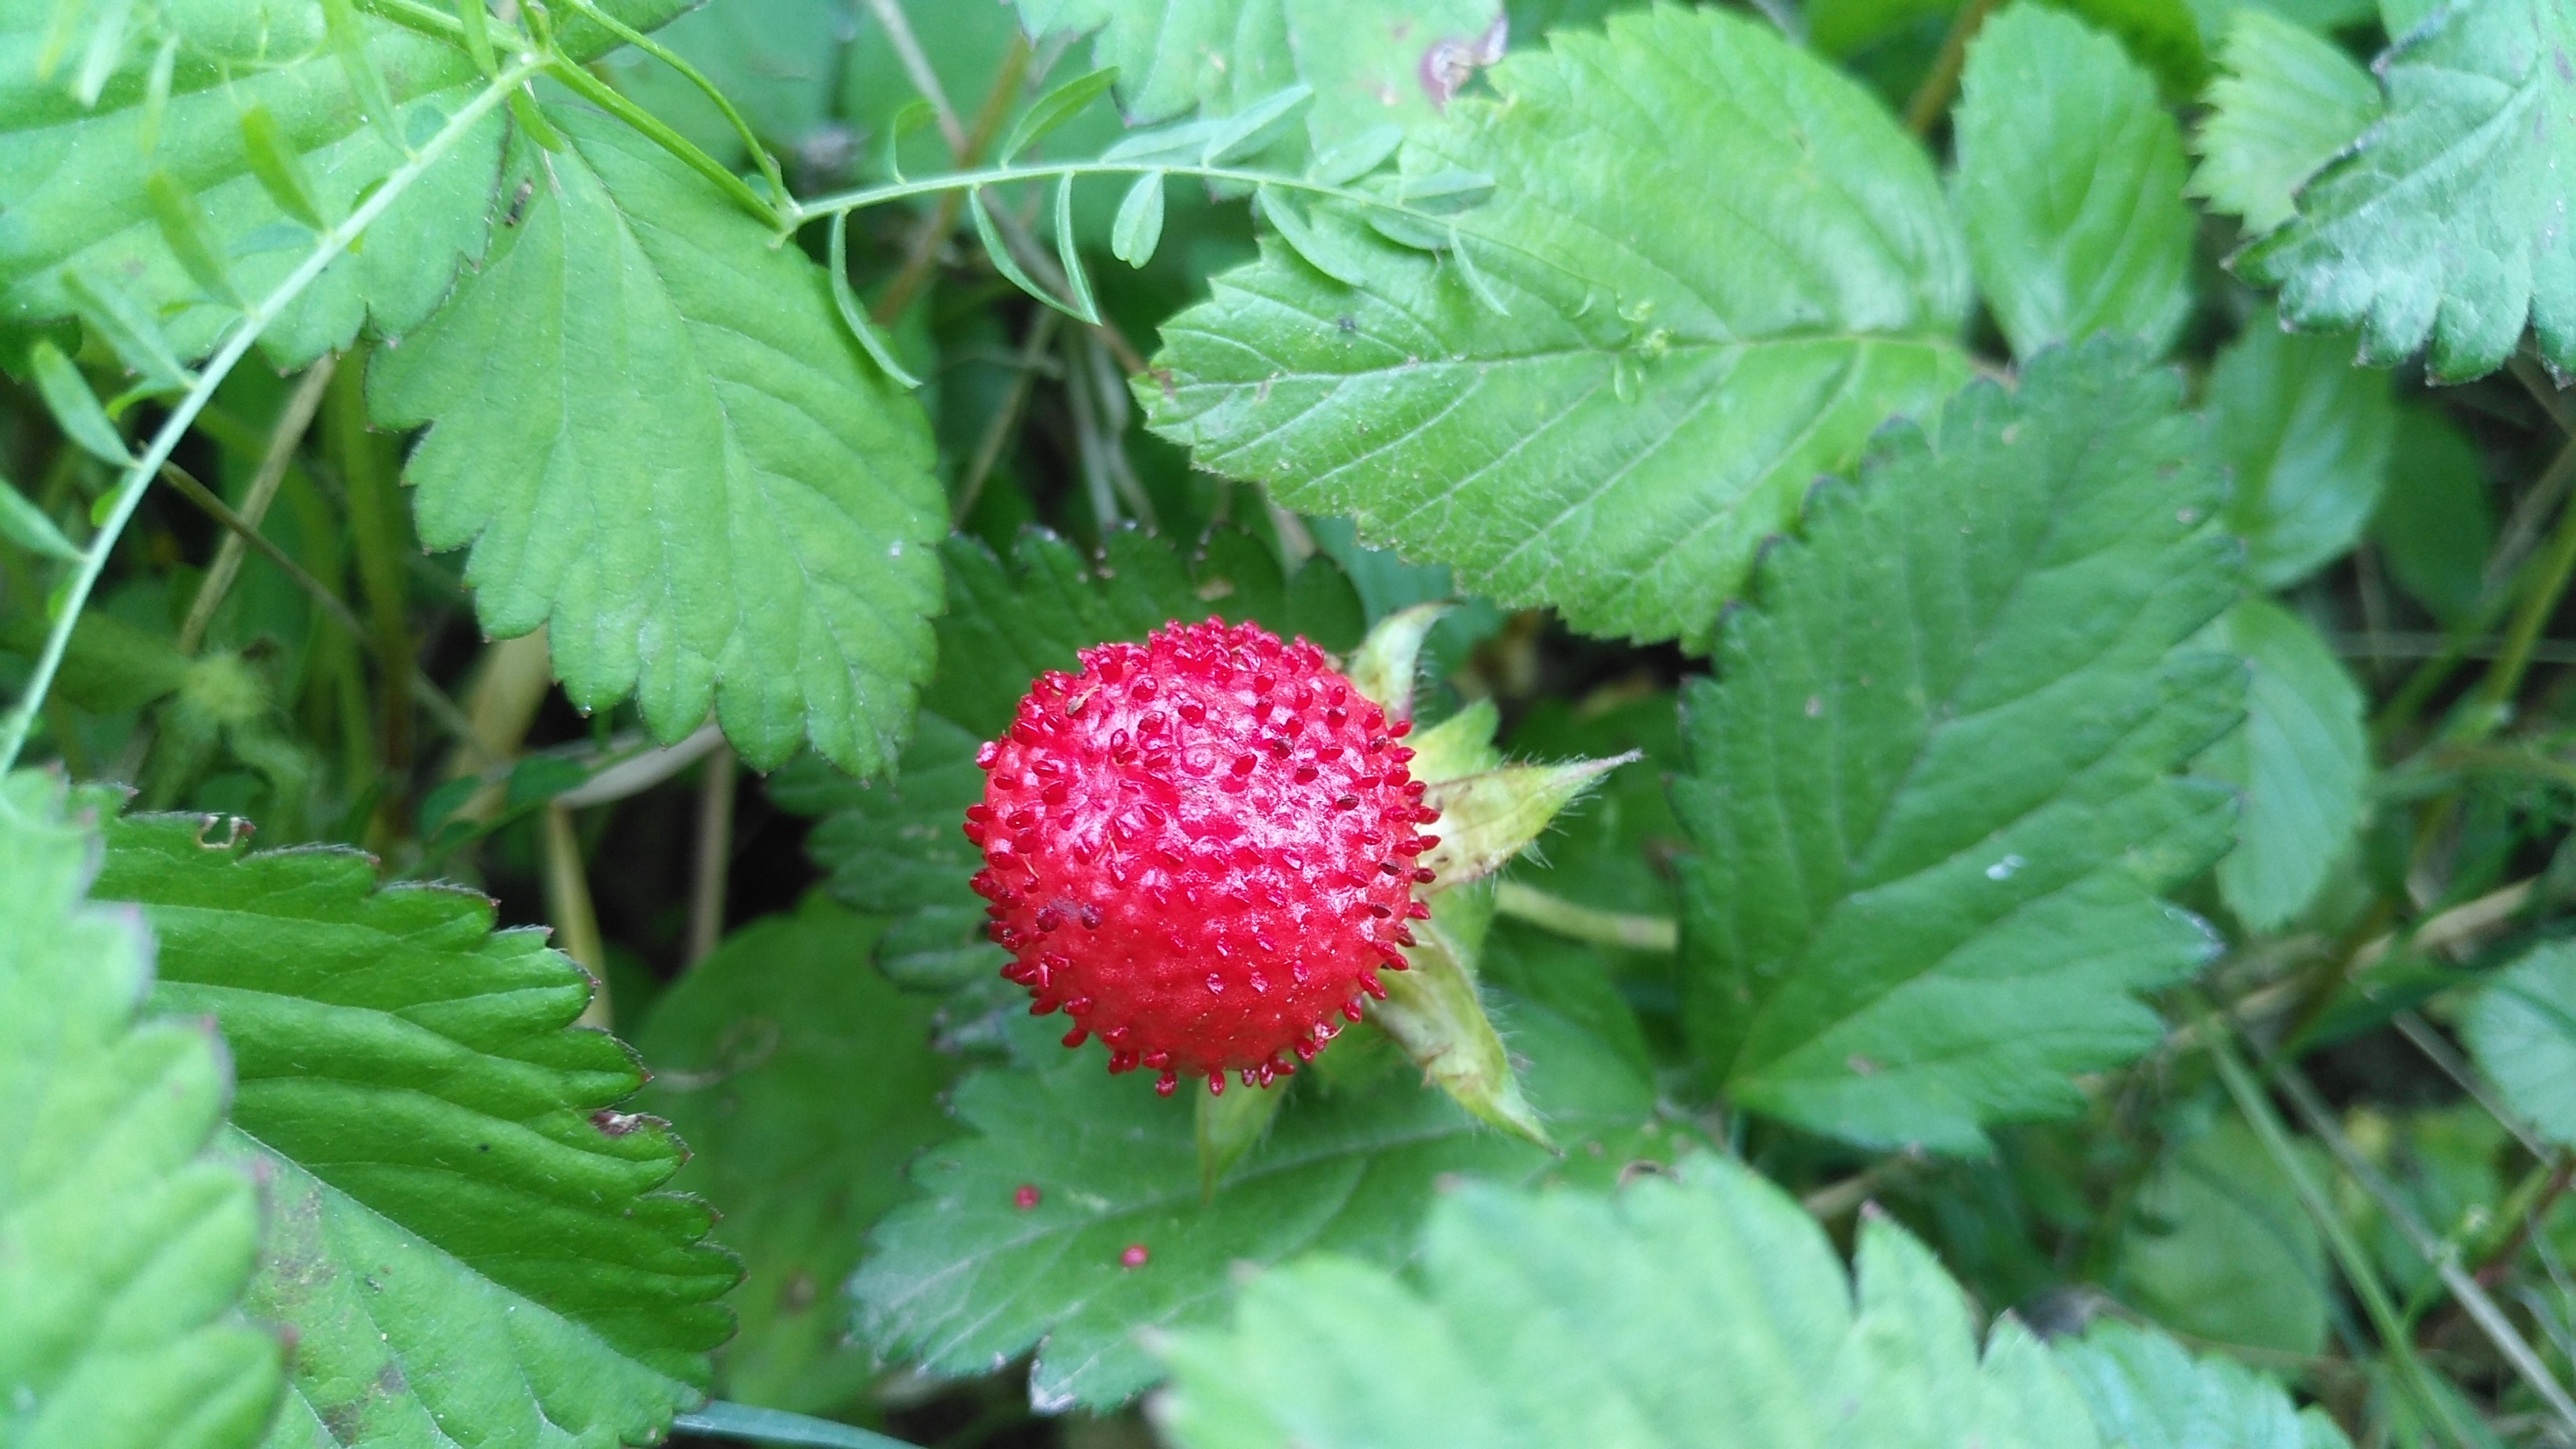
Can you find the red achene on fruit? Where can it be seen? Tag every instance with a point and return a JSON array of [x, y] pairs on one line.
[[1202, 848]]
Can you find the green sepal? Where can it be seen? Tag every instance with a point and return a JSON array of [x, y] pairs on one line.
[[1436, 1013], [1382, 669], [1231, 1124], [1486, 819]]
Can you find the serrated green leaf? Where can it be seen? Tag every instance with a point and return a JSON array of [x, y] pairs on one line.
[[1692, 1309], [804, 1084], [466, 1235], [2300, 764], [661, 444], [892, 847], [2221, 1249], [1368, 62], [2447, 223], [1139, 227], [24, 524], [2306, 435], [2070, 185], [2288, 100], [964, 1277], [76, 183], [124, 1243], [2147, 1393], [1661, 391], [1933, 788], [2521, 1031], [2436, 524]]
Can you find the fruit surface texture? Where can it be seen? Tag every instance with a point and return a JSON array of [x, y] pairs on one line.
[[1203, 849]]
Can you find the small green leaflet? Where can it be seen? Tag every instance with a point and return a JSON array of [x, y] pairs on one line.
[[1701, 1298], [2070, 185], [1933, 786], [662, 445], [2306, 436], [124, 1243], [805, 1084], [1664, 376], [1369, 62], [2301, 762], [467, 1236], [2448, 222], [2147, 1393], [966, 1277], [2288, 101], [24, 524], [2219, 1247], [2521, 1031]]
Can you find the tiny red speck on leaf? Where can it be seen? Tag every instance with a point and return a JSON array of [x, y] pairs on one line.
[[1134, 1257], [1027, 1196], [1201, 849]]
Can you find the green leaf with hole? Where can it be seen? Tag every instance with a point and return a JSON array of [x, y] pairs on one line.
[[804, 1084], [2521, 1031], [2070, 185], [2287, 101], [976, 1271], [2301, 764], [1677, 362], [661, 443], [125, 1243], [2447, 224], [1933, 785], [468, 1237], [2306, 435]]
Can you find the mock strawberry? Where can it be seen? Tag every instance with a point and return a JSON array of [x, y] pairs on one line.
[[1202, 848]]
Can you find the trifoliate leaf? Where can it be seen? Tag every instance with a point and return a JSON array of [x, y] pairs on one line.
[[2070, 185], [124, 1244], [2220, 1248], [1369, 63], [2436, 524], [1112, 1235], [2300, 764], [1703, 1307], [892, 847], [2306, 435], [1933, 788], [466, 1235], [2448, 222], [1668, 370], [2147, 1393], [2521, 1032], [662, 445], [2289, 99], [804, 1084], [77, 181]]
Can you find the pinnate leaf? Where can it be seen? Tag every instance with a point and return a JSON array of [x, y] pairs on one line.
[[2070, 185], [2448, 222], [966, 1277], [124, 1243], [1636, 1321], [1932, 788], [652, 428], [465, 1234], [2289, 99], [1720, 266], [2301, 761]]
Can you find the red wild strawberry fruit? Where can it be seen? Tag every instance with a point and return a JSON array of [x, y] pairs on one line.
[[1201, 847]]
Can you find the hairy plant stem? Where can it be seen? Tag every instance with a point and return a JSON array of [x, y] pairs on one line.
[[923, 257], [1924, 109], [568, 906], [138, 475], [376, 528], [759, 153], [1583, 923], [714, 855]]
